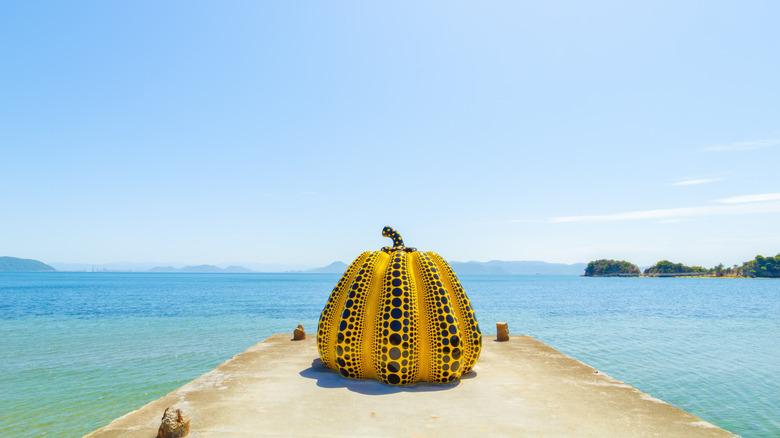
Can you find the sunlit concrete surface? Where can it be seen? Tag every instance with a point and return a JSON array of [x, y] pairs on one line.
[[518, 388]]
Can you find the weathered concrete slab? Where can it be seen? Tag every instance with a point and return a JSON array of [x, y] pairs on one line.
[[518, 388]]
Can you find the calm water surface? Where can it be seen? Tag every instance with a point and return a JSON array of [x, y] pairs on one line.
[[80, 349]]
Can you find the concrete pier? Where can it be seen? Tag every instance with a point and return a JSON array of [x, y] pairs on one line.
[[520, 388]]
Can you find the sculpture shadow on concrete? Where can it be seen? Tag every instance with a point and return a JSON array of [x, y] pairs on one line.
[[327, 378]]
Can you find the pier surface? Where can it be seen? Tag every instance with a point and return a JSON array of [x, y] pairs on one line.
[[520, 388]]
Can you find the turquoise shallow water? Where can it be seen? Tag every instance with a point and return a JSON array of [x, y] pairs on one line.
[[80, 349]]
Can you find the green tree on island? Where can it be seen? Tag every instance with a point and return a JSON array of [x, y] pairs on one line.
[[762, 267], [667, 267], [767, 267], [604, 268]]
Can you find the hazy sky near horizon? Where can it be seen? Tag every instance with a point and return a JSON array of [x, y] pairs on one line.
[[292, 132]]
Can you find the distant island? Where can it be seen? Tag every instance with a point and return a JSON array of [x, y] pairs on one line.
[[333, 268], [494, 267], [766, 267], [23, 265], [611, 268], [760, 266]]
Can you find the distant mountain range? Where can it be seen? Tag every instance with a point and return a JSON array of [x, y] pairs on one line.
[[174, 267], [333, 268], [23, 265], [492, 267]]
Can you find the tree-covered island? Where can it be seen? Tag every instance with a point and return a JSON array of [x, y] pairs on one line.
[[759, 267], [767, 267], [611, 268], [665, 268]]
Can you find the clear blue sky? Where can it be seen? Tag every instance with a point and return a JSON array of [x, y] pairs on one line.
[[292, 132]]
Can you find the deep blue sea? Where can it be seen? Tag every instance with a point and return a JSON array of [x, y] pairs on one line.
[[80, 349]]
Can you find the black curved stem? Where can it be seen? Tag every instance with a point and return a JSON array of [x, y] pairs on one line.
[[398, 243], [390, 232]]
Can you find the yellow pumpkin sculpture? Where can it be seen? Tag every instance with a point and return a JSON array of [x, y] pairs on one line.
[[400, 316]]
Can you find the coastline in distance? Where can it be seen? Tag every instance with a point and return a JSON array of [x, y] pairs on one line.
[[472, 267]]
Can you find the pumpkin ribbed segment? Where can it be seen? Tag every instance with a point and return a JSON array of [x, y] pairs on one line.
[[352, 328], [326, 335], [472, 338], [396, 349], [400, 316]]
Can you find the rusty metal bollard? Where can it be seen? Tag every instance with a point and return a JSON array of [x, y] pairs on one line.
[[502, 331]]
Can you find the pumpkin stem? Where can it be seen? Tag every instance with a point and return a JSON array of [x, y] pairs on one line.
[[398, 243]]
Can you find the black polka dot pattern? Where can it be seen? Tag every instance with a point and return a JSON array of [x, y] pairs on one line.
[[396, 347], [326, 329], [444, 334], [349, 340], [400, 316], [472, 336]]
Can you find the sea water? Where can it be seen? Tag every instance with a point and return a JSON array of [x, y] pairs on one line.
[[80, 349]]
